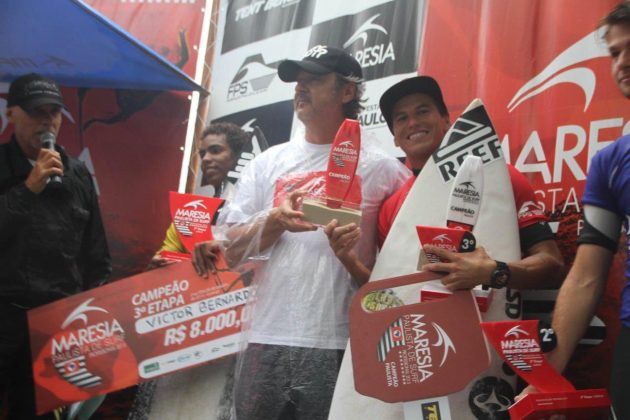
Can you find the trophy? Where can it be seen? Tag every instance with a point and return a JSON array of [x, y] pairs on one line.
[[521, 344], [342, 166], [192, 217]]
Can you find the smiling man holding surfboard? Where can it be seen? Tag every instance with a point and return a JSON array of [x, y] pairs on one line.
[[299, 320], [417, 116]]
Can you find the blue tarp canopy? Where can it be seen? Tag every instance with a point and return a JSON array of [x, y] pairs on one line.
[[75, 45]]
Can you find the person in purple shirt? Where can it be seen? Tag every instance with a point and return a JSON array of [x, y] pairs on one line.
[[606, 203]]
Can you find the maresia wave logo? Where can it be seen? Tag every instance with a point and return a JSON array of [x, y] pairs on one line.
[[196, 204], [87, 331], [371, 53], [362, 32], [566, 68], [427, 344]]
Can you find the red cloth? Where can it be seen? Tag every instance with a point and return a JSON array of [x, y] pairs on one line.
[[528, 210]]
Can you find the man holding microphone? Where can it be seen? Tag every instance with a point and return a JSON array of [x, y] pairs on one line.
[[52, 241]]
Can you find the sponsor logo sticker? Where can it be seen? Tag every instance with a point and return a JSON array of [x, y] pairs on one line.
[[87, 332], [472, 134], [412, 350], [431, 411], [254, 76]]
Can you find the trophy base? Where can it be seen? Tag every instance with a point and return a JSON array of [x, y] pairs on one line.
[[587, 404], [318, 213]]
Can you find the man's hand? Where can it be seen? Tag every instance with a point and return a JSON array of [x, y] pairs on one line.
[[342, 239], [287, 217], [528, 390], [464, 270], [157, 262], [48, 163], [204, 257]]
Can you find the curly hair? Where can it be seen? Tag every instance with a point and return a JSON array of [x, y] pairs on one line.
[[235, 137]]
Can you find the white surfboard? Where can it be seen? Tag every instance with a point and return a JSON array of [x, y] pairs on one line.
[[487, 396]]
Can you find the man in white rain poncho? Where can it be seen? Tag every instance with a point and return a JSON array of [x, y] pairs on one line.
[[299, 322]]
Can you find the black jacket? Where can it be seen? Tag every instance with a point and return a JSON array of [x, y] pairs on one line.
[[52, 244]]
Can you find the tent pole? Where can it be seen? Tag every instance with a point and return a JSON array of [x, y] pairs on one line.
[[198, 104]]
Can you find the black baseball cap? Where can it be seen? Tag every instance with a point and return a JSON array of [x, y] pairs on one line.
[[418, 84], [321, 59], [32, 91]]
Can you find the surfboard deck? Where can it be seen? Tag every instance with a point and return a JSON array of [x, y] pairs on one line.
[[496, 230]]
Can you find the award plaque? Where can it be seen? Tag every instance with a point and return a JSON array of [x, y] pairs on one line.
[[521, 344], [415, 351], [342, 166]]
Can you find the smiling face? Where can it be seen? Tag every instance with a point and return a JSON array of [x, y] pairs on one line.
[[418, 127], [618, 40], [29, 126], [216, 159]]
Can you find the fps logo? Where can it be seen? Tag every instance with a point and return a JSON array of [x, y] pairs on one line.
[[254, 76]]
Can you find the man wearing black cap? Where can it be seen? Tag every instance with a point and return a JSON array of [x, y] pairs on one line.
[[52, 242], [417, 116], [299, 323]]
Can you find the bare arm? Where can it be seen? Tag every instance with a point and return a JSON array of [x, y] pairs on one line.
[[577, 300], [541, 268], [576, 303]]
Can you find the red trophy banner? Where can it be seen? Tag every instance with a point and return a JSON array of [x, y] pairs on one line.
[[454, 240], [192, 216], [520, 344], [416, 351], [450, 239], [342, 166], [134, 329]]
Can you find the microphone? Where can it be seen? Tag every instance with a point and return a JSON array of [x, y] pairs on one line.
[[48, 142]]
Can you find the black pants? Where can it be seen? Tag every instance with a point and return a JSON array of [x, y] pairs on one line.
[[620, 376], [16, 374], [285, 383]]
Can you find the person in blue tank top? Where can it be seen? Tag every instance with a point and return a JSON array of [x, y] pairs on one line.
[[606, 203]]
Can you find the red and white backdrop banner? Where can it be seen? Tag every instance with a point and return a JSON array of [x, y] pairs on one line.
[[543, 72], [539, 66]]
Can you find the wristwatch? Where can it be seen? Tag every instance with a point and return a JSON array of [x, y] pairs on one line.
[[500, 276]]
